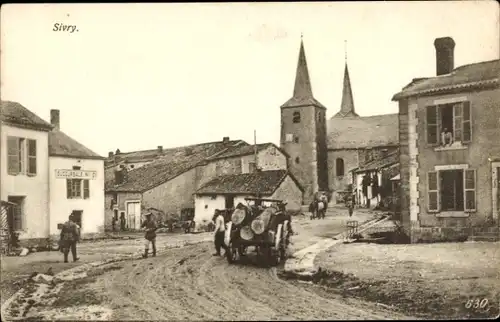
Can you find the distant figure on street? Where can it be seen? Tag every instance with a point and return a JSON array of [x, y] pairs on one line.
[[115, 219], [150, 236], [349, 200], [220, 229], [70, 234], [122, 221]]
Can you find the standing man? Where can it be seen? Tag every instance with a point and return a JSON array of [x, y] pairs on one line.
[[150, 235], [70, 234], [220, 229], [349, 200]]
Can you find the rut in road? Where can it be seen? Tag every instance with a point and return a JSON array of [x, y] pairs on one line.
[[189, 283]]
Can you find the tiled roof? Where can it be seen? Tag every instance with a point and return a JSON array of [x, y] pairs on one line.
[[467, 77], [244, 149], [170, 164], [62, 145], [264, 182], [389, 160], [16, 114], [363, 132]]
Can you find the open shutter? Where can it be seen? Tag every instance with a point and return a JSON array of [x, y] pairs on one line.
[[433, 191], [432, 125], [470, 190], [12, 155], [457, 122], [32, 157], [466, 125], [86, 189], [68, 188]]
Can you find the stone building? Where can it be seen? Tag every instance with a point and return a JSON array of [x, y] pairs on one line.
[[449, 130]]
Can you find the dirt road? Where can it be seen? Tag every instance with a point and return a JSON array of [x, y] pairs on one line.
[[190, 284]]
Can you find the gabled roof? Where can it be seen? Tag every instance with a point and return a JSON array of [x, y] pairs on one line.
[[244, 149], [15, 114], [363, 132], [62, 145], [464, 78], [264, 182], [347, 104], [172, 163], [302, 91], [381, 163]]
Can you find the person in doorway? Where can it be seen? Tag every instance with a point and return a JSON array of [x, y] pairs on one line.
[[220, 230], [122, 221], [150, 236], [70, 234]]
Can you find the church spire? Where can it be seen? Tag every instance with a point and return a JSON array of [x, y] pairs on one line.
[[302, 87], [347, 105]]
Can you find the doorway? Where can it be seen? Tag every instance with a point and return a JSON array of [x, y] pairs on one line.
[[77, 217], [229, 202], [133, 215]]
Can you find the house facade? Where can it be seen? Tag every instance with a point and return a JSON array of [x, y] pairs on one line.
[[24, 174], [76, 177], [227, 191], [449, 127]]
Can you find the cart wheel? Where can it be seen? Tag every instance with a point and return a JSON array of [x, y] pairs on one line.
[[232, 253]]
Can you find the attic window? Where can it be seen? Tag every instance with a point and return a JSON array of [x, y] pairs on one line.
[[296, 139], [297, 160], [296, 117], [121, 166], [131, 166]]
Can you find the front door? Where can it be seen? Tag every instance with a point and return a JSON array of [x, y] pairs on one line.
[[77, 217], [229, 202], [133, 215]]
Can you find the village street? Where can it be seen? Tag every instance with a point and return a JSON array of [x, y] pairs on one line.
[[184, 282]]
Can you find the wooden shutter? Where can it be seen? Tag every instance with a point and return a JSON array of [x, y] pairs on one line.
[[17, 217], [467, 124], [457, 122], [68, 189], [13, 155], [470, 190], [433, 202], [86, 189], [31, 157], [432, 125]]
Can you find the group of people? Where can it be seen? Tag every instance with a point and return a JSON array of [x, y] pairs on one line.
[[122, 222]]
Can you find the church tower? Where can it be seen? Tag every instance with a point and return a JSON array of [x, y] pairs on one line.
[[347, 105], [303, 133]]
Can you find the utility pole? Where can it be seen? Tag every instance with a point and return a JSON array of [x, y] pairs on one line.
[[255, 158]]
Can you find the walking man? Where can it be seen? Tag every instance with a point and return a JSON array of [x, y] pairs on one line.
[[150, 236], [70, 234], [349, 200], [220, 229]]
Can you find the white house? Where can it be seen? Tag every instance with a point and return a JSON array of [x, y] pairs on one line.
[[76, 176], [227, 191], [24, 170]]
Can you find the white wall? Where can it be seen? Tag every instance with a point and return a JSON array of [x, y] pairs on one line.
[[61, 207], [35, 189], [269, 158]]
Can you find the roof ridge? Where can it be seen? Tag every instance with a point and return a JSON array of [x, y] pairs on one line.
[[178, 147]]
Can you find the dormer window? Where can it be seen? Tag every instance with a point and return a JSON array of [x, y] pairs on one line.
[[296, 117]]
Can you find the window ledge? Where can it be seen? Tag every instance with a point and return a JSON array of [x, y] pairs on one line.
[[451, 147], [452, 214]]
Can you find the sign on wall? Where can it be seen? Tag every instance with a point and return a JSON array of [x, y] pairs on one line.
[[75, 174]]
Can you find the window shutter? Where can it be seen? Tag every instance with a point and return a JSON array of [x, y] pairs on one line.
[[457, 122], [32, 157], [432, 124], [467, 125], [68, 188], [86, 189], [470, 190], [17, 217], [433, 191], [12, 155]]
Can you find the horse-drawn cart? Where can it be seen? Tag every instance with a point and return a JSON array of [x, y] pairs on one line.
[[266, 229]]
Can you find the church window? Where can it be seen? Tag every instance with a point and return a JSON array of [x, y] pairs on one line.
[[339, 167], [296, 117], [296, 139], [297, 160]]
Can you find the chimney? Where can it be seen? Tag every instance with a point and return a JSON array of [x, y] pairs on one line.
[[117, 151], [225, 140], [445, 47], [160, 148], [110, 154], [54, 118]]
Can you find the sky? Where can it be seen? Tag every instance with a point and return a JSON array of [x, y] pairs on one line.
[[136, 76]]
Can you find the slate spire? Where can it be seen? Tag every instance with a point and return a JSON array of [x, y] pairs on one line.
[[302, 87], [347, 104]]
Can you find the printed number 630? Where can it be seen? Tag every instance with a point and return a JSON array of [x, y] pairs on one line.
[[476, 304]]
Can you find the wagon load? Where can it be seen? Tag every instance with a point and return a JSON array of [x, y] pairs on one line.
[[241, 215], [246, 233], [261, 223]]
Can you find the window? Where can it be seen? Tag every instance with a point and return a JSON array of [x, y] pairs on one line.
[[289, 137], [451, 190], [251, 166], [297, 160], [296, 139], [131, 166], [229, 202], [77, 188], [16, 213], [449, 123], [296, 117], [18, 161], [339, 167]]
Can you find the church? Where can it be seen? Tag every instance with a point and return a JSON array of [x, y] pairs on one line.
[[324, 152]]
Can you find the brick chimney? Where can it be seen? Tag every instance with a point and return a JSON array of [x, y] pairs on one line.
[[54, 118], [225, 140], [110, 154], [445, 47], [160, 149]]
